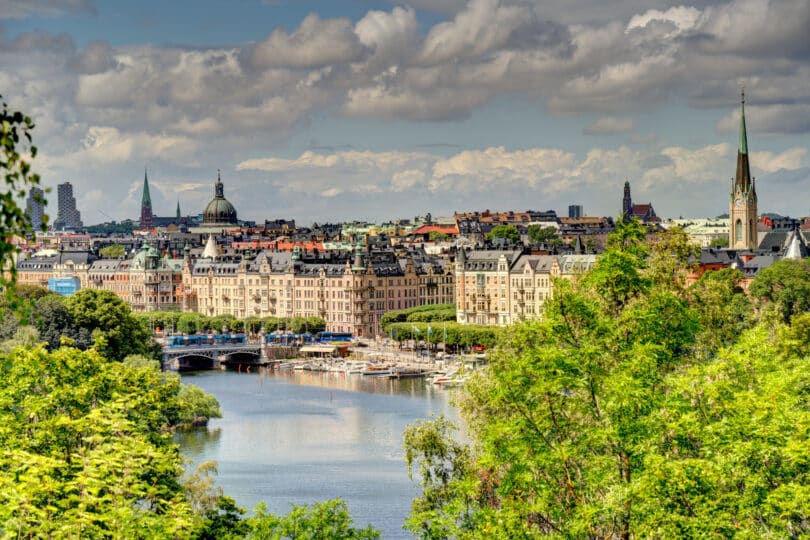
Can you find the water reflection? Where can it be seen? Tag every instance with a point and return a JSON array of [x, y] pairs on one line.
[[198, 440]]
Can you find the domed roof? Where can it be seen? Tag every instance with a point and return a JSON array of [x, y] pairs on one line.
[[219, 210]]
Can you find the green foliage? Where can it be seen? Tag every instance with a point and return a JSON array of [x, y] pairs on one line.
[[436, 236], [24, 336], [638, 407], [139, 361], [195, 407], [544, 235], [427, 313], [87, 450], [17, 180], [328, 520], [116, 332], [447, 505], [510, 232], [113, 251], [190, 323], [721, 242], [457, 334], [785, 284]]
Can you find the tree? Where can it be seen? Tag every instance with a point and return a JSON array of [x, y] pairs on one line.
[[325, 520], [721, 242], [113, 251], [87, 451], [510, 232], [116, 332], [786, 285], [544, 235], [637, 408], [436, 236], [18, 179]]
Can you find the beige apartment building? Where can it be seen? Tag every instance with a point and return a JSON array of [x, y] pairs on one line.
[[502, 287], [351, 296]]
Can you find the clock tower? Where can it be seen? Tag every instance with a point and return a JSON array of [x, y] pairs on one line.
[[742, 213]]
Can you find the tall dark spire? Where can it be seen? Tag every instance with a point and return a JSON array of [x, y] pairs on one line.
[[178, 208], [146, 204], [742, 180]]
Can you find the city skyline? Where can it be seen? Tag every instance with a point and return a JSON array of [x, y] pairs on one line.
[[375, 109]]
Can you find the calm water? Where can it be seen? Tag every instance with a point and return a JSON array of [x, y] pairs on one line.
[[303, 437]]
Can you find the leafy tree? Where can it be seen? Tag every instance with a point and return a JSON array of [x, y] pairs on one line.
[[113, 251], [721, 242], [190, 323], [24, 336], [436, 236], [510, 232], [785, 284], [18, 179], [116, 332], [539, 234], [638, 407], [328, 520], [195, 406], [87, 451]]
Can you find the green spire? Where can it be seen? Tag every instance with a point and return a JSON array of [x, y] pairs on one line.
[[146, 201], [178, 208], [743, 136]]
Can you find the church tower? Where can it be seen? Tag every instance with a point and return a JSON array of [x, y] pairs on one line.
[[146, 204], [742, 213], [627, 201]]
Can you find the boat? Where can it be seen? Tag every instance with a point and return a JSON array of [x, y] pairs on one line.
[[443, 378], [285, 365], [377, 369], [355, 366], [408, 374]]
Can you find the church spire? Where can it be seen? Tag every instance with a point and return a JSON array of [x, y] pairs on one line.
[[146, 200], [146, 204], [743, 136], [178, 208], [742, 180]]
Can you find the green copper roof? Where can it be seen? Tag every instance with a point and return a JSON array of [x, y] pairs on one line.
[[743, 136], [178, 208], [146, 200]]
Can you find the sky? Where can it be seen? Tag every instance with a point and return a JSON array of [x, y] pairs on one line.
[[327, 110]]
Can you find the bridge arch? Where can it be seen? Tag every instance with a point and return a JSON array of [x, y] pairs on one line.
[[195, 362]]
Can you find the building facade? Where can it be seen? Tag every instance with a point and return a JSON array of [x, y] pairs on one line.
[[35, 207], [502, 287], [351, 293]]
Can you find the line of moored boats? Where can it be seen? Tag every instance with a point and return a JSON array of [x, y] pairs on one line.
[[447, 378]]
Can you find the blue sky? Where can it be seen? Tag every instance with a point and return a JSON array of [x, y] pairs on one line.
[[376, 109]]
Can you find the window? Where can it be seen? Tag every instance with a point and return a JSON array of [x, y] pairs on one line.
[[738, 231]]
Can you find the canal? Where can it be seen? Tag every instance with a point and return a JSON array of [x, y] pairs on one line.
[[300, 437]]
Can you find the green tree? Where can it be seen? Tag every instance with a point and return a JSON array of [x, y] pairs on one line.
[[539, 234], [721, 242], [116, 332], [786, 285], [113, 251], [328, 520], [510, 232], [436, 236], [18, 179], [87, 451]]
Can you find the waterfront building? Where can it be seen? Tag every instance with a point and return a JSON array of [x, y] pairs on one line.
[[502, 287], [350, 292], [67, 216]]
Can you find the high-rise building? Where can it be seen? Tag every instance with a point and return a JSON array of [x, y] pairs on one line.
[[742, 212], [67, 215], [575, 210], [35, 207], [146, 204]]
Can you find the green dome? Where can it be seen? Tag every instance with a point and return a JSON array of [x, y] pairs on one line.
[[219, 211]]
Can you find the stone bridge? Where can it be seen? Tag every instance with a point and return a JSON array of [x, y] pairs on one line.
[[202, 357]]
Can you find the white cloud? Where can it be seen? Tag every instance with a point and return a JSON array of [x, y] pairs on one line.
[[768, 162], [316, 43]]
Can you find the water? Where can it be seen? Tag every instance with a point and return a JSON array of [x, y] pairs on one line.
[[303, 437]]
